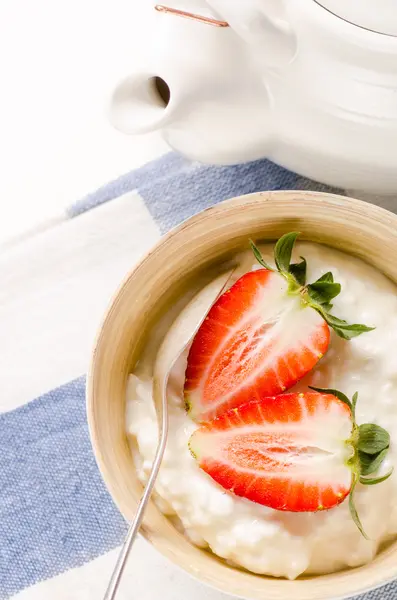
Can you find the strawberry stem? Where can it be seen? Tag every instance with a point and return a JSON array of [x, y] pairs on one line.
[[317, 295], [369, 444], [293, 287]]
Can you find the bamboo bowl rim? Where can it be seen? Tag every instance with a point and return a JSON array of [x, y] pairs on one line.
[[351, 225]]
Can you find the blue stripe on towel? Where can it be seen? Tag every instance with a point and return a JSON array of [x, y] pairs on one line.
[[55, 512], [174, 188], [176, 198], [386, 592], [158, 169]]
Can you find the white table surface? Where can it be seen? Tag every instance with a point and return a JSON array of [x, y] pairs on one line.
[[58, 63]]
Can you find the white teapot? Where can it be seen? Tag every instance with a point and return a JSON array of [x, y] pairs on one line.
[[311, 85]]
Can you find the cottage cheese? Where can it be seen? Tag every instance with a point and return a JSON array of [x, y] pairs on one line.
[[255, 537]]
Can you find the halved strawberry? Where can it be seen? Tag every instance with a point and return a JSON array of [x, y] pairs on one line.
[[256, 339], [262, 336], [293, 452]]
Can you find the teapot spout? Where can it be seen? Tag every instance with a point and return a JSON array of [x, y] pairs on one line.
[[141, 103]]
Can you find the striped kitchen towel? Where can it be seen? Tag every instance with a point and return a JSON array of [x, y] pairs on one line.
[[59, 529]]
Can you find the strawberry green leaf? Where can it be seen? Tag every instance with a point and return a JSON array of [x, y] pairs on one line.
[[375, 480], [283, 251], [327, 307], [355, 329], [336, 393], [323, 291], [258, 256], [327, 277], [298, 271], [341, 327], [353, 510], [337, 322], [346, 334], [370, 463], [354, 402], [372, 438], [341, 333]]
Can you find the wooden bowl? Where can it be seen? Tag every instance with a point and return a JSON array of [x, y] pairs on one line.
[[350, 225]]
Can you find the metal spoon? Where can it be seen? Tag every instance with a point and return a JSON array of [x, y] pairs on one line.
[[179, 337]]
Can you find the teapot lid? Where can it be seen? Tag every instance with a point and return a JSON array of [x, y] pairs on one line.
[[376, 15]]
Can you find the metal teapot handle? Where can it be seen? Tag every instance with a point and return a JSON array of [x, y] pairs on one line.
[[189, 15]]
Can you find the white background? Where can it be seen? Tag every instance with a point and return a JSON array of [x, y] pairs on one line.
[[58, 63]]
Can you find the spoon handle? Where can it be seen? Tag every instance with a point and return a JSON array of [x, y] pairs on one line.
[[136, 522]]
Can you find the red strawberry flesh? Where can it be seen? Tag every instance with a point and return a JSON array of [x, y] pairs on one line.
[[256, 340], [288, 452]]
